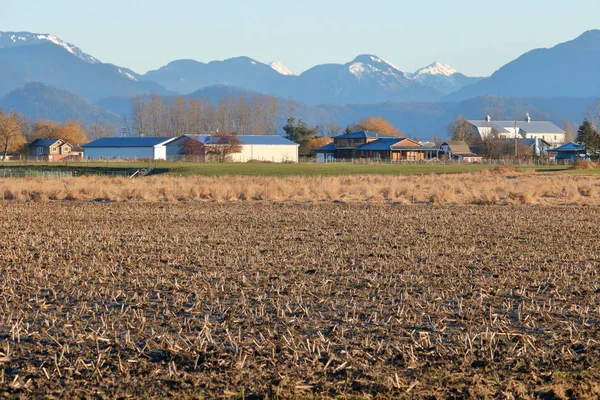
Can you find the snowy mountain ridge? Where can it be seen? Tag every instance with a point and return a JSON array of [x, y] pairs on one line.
[[10, 39], [436, 68], [282, 69]]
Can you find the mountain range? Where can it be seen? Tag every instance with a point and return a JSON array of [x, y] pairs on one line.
[[565, 74]]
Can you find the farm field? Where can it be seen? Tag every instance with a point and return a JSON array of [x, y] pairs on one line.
[[486, 187], [186, 169], [263, 300]]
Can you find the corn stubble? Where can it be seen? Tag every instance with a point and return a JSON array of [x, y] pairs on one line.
[[259, 300]]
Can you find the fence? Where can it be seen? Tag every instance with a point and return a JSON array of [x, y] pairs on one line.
[[16, 172], [507, 161]]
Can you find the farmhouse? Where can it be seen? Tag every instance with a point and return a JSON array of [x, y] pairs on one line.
[[49, 149], [526, 129], [273, 148], [375, 146], [127, 148], [459, 151]]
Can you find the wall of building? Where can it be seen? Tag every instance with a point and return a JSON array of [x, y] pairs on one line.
[[172, 149], [260, 152], [555, 139], [120, 153]]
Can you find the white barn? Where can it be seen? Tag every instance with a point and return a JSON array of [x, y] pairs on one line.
[[528, 129], [127, 148], [272, 148]]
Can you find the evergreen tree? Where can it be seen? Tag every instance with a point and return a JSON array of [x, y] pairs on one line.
[[299, 132], [588, 136]]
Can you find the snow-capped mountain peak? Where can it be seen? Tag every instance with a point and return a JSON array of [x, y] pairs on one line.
[[279, 67], [368, 64], [11, 39], [437, 68]]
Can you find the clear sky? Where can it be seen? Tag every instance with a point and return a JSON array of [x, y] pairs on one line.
[[474, 36]]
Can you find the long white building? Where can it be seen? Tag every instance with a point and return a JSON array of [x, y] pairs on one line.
[[272, 148], [528, 129]]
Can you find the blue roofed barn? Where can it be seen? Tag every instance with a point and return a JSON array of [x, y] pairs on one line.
[[127, 148]]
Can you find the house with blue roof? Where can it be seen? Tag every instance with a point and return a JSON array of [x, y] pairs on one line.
[[271, 148], [127, 148], [569, 152], [375, 146], [49, 150]]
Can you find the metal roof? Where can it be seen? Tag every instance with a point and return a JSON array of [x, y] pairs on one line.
[[129, 142], [364, 135], [44, 142], [382, 144], [571, 146], [248, 139], [527, 127], [328, 148]]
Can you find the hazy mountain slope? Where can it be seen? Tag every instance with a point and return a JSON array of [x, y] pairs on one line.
[[38, 101], [14, 39], [55, 66], [187, 76], [569, 69]]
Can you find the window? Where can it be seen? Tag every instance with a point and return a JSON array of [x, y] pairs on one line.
[[66, 149], [40, 150], [54, 149]]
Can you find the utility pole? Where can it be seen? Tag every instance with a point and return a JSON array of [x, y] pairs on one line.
[[515, 140]]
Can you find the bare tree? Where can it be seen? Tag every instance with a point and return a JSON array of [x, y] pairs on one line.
[[569, 131], [460, 129], [223, 145], [141, 115], [331, 129]]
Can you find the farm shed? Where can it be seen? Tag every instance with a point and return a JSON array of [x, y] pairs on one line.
[[570, 152], [272, 148], [128, 148], [459, 151]]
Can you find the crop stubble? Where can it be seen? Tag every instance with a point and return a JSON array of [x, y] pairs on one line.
[[298, 300]]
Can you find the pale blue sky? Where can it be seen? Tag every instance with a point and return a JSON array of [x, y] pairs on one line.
[[474, 36]]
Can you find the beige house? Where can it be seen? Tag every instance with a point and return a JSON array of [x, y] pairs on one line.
[[49, 149], [527, 129]]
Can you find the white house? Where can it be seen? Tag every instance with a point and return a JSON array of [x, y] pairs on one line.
[[272, 148], [127, 148], [528, 129]]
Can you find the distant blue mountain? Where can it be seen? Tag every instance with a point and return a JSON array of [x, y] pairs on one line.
[[53, 65], [569, 69], [39, 101]]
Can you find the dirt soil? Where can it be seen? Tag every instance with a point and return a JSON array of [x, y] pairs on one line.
[[256, 300]]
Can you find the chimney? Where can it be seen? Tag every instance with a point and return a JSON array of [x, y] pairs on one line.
[[527, 118], [488, 118]]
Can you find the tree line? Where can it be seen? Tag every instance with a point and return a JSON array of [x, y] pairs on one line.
[[16, 132], [245, 115]]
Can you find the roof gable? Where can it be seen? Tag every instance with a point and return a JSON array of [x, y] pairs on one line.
[[571, 146], [47, 142], [457, 146], [527, 127]]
